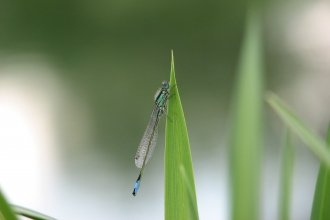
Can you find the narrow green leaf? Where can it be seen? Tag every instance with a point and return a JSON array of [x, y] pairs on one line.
[[30, 213], [321, 203], [247, 122], [312, 140], [286, 180], [177, 152], [5, 211], [192, 212]]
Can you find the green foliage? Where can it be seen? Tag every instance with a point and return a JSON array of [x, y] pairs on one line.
[[246, 125], [5, 211], [317, 147], [312, 140], [192, 211], [30, 213], [321, 203], [286, 180], [178, 181]]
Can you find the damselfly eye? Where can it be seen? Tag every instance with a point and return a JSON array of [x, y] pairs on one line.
[[165, 85]]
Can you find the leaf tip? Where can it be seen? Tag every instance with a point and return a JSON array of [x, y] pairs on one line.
[[172, 74]]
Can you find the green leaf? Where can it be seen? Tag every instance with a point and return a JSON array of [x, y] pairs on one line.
[[286, 180], [192, 212], [312, 140], [246, 134], [177, 153], [5, 211], [30, 213], [321, 201]]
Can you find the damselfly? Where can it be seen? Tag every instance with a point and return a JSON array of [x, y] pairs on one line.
[[149, 139]]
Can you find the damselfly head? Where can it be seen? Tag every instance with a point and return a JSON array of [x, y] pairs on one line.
[[165, 85]]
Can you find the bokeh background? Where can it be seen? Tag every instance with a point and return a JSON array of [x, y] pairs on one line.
[[77, 80]]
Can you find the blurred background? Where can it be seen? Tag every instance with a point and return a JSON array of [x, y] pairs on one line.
[[77, 80]]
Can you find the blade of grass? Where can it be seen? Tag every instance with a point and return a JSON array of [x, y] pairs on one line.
[[321, 203], [5, 211], [312, 141], [192, 212], [286, 180], [247, 122], [30, 213], [177, 152]]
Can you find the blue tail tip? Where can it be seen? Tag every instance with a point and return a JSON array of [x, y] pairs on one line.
[[137, 185]]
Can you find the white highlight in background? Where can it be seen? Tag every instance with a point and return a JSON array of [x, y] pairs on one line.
[[27, 132]]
